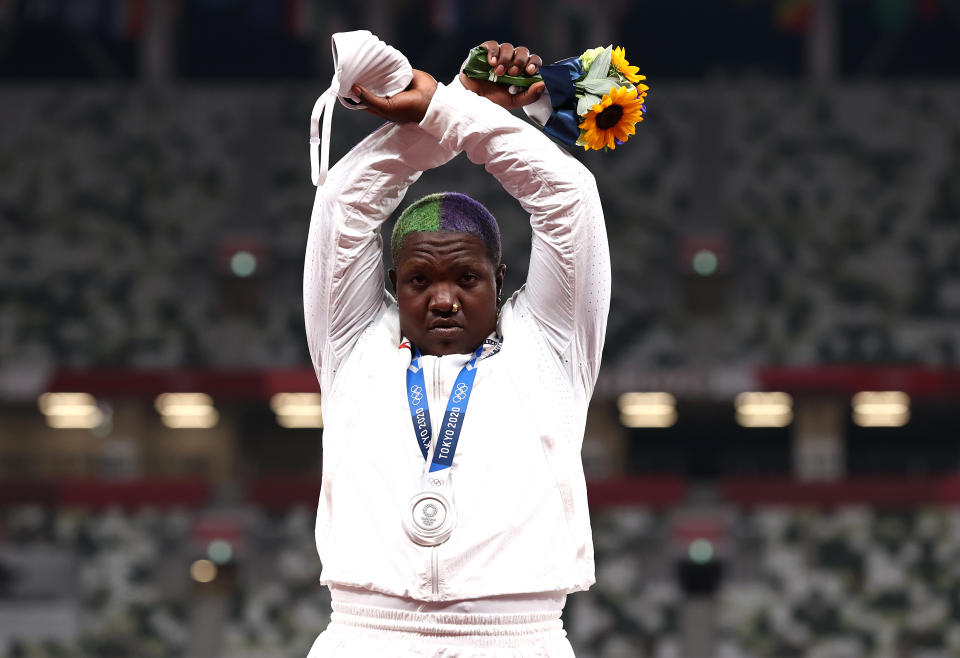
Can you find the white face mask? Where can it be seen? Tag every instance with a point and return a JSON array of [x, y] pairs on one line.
[[361, 58]]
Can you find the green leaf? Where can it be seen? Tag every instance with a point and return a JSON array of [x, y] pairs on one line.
[[477, 68], [586, 102], [601, 65], [601, 86]]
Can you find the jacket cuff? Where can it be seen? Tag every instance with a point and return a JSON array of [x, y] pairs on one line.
[[450, 103]]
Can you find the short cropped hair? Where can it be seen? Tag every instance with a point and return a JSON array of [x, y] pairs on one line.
[[447, 211]]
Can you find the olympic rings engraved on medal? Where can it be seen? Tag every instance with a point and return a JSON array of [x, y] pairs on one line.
[[436, 482], [416, 394], [460, 392]]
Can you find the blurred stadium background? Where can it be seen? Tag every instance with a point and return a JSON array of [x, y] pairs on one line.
[[773, 447]]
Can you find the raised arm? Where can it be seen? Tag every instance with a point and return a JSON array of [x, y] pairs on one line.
[[568, 284], [343, 271]]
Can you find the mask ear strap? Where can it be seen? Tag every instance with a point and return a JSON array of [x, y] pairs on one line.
[[320, 163], [357, 56]]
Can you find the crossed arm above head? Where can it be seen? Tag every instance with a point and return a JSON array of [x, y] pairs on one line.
[[412, 104], [568, 283]]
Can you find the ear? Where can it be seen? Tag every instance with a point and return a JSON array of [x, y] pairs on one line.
[[393, 280], [498, 277]]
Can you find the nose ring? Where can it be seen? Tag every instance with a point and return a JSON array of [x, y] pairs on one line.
[[456, 307]]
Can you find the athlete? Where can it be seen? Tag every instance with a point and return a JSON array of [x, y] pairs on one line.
[[453, 515]]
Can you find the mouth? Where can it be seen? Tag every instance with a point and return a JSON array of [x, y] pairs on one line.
[[444, 328]]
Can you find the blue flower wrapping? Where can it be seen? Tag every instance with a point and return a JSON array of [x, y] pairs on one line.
[[559, 77]]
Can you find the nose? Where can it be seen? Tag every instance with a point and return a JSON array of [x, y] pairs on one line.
[[443, 299]]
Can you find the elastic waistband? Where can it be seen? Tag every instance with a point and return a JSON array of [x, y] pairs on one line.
[[509, 604], [527, 616]]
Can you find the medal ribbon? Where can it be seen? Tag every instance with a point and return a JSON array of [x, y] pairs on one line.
[[453, 417]]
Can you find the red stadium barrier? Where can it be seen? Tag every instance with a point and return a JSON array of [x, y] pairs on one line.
[[948, 489], [19, 493], [652, 491], [918, 382], [879, 491], [147, 383], [279, 492], [138, 493], [282, 492]]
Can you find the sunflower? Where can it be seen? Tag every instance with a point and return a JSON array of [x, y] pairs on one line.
[[612, 119], [619, 60]]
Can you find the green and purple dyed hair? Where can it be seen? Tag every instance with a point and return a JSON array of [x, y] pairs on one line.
[[447, 211]]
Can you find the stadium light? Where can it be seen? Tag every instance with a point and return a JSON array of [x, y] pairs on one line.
[[647, 409], [243, 264], [187, 410], [700, 551], [70, 410], [220, 551], [705, 262], [203, 571], [881, 408], [297, 410], [764, 409]]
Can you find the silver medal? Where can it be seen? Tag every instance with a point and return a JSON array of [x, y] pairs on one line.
[[430, 518]]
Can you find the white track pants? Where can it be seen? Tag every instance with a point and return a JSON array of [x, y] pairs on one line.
[[369, 625]]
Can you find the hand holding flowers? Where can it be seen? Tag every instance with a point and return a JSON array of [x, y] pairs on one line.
[[503, 60], [597, 99]]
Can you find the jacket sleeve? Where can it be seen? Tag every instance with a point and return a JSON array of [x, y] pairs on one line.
[[343, 275], [568, 283]]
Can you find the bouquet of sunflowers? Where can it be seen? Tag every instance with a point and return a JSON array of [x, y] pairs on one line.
[[595, 100]]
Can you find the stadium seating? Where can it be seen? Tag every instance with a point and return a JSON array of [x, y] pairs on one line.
[[121, 587], [834, 211], [280, 604], [853, 581], [850, 580], [130, 594]]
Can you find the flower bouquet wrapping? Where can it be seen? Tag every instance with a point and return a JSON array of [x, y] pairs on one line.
[[594, 100]]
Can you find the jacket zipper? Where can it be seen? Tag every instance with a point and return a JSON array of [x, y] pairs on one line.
[[434, 550]]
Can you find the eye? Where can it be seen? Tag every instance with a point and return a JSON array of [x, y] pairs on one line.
[[469, 278], [418, 280]]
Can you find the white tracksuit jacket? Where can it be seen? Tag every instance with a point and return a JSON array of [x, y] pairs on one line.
[[517, 477]]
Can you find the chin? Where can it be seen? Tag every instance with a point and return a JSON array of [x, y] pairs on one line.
[[442, 349], [441, 341], [439, 346]]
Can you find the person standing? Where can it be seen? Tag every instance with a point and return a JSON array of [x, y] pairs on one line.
[[453, 517]]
